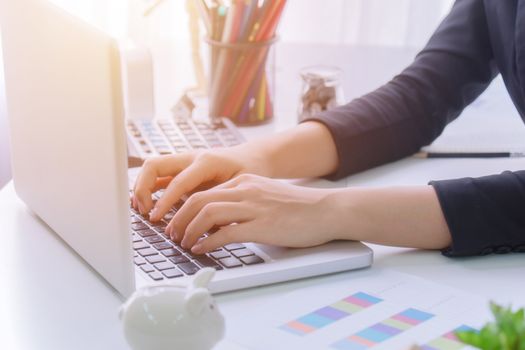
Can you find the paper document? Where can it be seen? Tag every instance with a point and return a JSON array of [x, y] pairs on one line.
[[376, 309]]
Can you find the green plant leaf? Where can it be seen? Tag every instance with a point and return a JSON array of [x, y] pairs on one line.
[[507, 332]]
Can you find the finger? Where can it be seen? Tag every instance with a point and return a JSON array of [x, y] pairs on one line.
[[181, 184], [226, 235], [214, 214], [162, 183], [134, 201], [144, 187], [152, 170], [195, 203]]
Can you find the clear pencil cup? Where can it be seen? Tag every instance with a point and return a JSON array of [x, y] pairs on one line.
[[241, 83]]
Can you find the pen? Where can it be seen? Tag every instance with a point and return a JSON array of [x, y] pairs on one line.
[[469, 155]]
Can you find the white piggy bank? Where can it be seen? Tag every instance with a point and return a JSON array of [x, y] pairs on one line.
[[171, 317]]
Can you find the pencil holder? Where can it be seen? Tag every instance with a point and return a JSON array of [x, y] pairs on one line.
[[242, 81]]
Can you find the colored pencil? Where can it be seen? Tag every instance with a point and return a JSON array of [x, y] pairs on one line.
[[240, 88], [246, 73]]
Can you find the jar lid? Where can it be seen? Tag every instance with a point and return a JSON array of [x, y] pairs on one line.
[[321, 73]]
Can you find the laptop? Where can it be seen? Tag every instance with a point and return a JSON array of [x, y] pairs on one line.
[[68, 142]]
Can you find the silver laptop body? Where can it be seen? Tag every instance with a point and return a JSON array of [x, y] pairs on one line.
[[68, 145]]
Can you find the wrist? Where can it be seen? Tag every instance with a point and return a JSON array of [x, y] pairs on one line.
[[253, 159], [340, 221]]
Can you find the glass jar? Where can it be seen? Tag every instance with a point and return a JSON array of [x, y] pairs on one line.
[[321, 91]]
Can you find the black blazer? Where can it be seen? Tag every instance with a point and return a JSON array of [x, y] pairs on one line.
[[475, 42]]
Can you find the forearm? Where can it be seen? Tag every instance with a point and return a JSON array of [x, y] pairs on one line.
[[307, 150], [406, 217]]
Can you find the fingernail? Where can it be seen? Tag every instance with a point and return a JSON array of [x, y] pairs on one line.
[[154, 213], [197, 248]]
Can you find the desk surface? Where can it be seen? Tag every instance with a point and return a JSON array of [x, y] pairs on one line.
[[54, 301], [50, 299]]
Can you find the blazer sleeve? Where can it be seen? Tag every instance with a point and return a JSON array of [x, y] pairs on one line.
[[484, 215], [412, 110]]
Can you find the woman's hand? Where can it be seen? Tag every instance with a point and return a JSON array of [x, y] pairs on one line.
[[302, 152], [251, 208], [185, 173]]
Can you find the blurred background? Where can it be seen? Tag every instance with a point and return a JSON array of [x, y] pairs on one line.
[[385, 23]]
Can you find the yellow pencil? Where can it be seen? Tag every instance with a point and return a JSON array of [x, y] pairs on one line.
[[261, 100]]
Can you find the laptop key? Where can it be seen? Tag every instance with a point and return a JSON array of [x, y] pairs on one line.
[[135, 219], [147, 268], [180, 259], [239, 253], [193, 256], [230, 262], [205, 261], [188, 268], [140, 245], [233, 246], [159, 224], [162, 245], [147, 252], [163, 265], [252, 260], [155, 259], [139, 261], [139, 226], [163, 233], [154, 239], [170, 252], [172, 273], [135, 238], [160, 230], [146, 233], [156, 276], [220, 254]]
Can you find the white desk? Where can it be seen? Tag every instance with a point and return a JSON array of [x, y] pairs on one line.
[[54, 301], [49, 299]]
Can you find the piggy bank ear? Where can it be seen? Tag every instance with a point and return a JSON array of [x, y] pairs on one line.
[[196, 300], [203, 277]]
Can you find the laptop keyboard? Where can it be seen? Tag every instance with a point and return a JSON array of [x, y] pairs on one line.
[[154, 252], [161, 258]]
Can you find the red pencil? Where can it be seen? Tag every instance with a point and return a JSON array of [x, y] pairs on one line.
[[245, 75], [268, 20], [269, 31]]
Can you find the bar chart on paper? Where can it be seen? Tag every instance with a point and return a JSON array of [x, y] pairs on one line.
[[384, 330], [390, 311], [329, 314], [447, 341]]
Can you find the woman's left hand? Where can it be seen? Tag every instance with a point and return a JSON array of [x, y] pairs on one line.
[[251, 208]]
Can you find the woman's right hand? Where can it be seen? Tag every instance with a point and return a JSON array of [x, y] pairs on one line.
[[185, 173]]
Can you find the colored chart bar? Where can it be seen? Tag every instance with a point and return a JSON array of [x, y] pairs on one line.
[[384, 330], [448, 341], [329, 314]]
